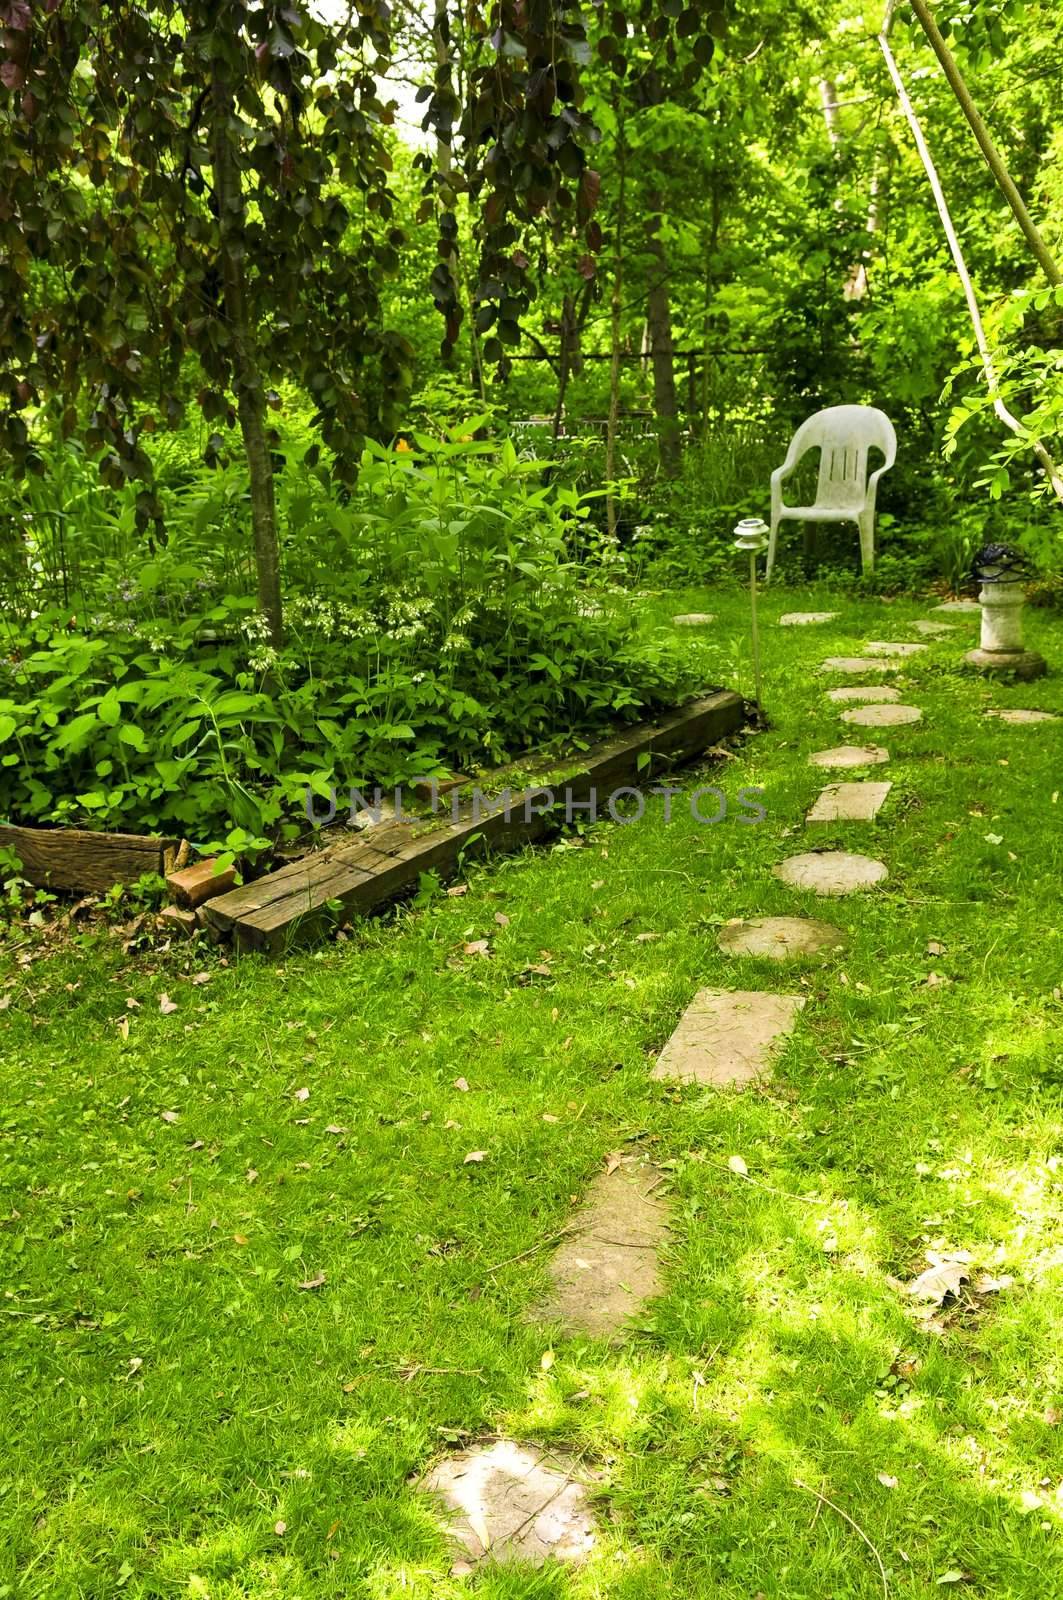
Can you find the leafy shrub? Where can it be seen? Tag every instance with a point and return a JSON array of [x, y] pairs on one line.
[[442, 620]]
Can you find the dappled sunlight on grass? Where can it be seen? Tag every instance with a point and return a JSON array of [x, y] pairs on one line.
[[902, 1116]]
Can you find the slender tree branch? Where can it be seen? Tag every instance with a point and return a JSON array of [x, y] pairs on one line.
[[989, 370], [994, 160]]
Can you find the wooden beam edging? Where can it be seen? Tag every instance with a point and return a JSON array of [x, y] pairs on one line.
[[298, 902], [83, 861]]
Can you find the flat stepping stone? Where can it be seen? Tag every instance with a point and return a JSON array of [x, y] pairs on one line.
[[849, 802], [1017, 717], [727, 1037], [850, 755], [889, 647], [859, 664], [871, 692], [831, 872], [934, 630], [693, 619], [802, 619], [607, 1267], [779, 938], [958, 605], [882, 716], [513, 1502]]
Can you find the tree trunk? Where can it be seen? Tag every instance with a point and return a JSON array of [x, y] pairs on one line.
[[568, 328], [246, 377], [709, 294], [994, 160], [615, 308], [662, 349]]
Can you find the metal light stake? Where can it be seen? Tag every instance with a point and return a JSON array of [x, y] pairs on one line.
[[751, 535]]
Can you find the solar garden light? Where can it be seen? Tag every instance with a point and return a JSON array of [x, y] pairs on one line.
[[751, 535], [1002, 570]]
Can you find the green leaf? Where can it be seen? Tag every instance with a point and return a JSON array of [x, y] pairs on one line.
[[7, 727], [109, 709], [76, 731], [130, 734]]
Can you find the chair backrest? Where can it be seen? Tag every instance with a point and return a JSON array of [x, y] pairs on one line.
[[844, 435]]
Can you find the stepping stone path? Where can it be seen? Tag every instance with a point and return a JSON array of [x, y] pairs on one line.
[[606, 1268], [512, 1502], [726, 1037], [960, 605], [780, 938], [1015, 716], [885, 647], [934, 630], [850, 755], [849, 802], [859, 664], [882, 716], [831, 872], [693, 619], [870, 693]]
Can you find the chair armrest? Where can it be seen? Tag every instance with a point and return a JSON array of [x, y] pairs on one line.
[[872, 482], [778, 478]]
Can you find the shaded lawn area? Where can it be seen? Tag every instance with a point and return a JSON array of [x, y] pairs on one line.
[[181, 1417]]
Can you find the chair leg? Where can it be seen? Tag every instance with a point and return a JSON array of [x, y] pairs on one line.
[[772, 536], [866, 522]]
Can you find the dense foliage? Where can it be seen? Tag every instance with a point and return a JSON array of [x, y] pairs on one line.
[[461, 633]]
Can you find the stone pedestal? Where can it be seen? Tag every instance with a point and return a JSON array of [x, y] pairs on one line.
[[1001, 649]]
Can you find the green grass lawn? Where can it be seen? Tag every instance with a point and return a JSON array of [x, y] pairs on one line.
[[183, 1416]]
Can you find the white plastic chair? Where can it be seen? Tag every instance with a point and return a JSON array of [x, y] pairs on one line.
[[845, 492]]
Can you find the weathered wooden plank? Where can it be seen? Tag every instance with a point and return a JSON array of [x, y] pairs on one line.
[[78, 859], [291, 905]]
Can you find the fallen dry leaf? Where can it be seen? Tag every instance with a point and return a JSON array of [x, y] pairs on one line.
[[280, 1529], [548, 1359], [302, 1094], [313, 1283], [457, 889], [989, 1285], [501, 919], [166, 1005], [251, 1174], [736, 1164], [476, 947], [549, 1117], [334, 1127], [123, 1027], [462, 1084], [935, 948], [170, 1116], [474, 1155], [479, 1527], [886, 1481], [942, 1277]]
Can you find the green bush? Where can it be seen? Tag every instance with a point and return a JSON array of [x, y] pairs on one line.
[[439, 618]]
